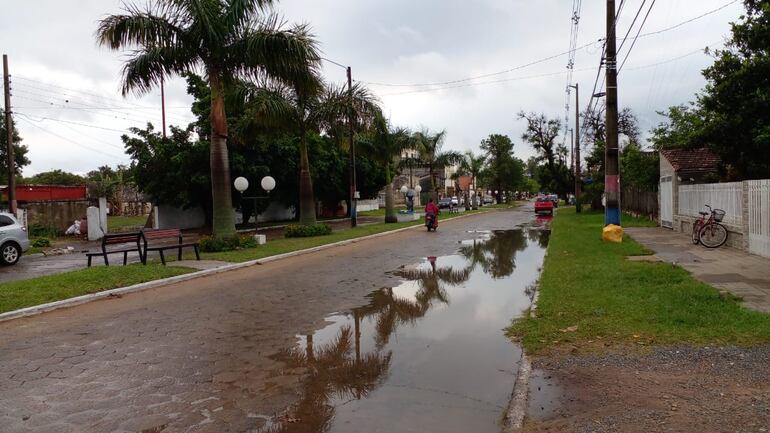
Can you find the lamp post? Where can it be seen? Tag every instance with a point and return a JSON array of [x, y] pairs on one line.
[[417, 190], [242, 184]]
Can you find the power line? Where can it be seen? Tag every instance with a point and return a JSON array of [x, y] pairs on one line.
[[636, 37], [545, 59], [69, 140], [73, 123]]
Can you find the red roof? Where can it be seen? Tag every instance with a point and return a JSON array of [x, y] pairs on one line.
[[691, 159]]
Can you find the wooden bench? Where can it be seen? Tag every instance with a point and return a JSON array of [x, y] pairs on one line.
[[166, 239], [128, 242]]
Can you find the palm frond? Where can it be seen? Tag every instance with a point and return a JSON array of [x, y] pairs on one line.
[[161, 26], [147, 66]]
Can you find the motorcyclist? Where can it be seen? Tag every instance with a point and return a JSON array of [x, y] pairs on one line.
[[432, 209]]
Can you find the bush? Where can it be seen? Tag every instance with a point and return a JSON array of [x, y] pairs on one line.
[[39, 230], [41, 242], [214, 245], [306, 231]]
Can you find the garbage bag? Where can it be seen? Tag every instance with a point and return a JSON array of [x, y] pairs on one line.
[[74, 229], [612, 233]]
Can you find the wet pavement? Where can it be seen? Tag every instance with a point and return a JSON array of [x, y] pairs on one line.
[[428, 354], [414, 348]]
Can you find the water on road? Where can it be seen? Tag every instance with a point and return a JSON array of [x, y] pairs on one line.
[[429, 354]]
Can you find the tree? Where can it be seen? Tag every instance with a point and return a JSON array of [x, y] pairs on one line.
[[503, 172], [541, 133], [640, 169], [226, 39], [736, 99], [19, 151], [55, 177], [682, 129], [384, 144], [303, 110], [471, 165], [431, 155]]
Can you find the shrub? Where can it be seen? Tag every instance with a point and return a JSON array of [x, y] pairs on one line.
[[39, 230], [306, 231], [214, 245], [41, 242]]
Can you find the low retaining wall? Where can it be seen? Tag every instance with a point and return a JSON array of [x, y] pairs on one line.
[[735, 237]]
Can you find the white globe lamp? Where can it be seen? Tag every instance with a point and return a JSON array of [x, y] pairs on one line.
[[268, 183], [241, 184], [404, 189], [418, 188]]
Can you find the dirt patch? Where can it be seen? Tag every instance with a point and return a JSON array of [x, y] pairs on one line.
[[680, 389]]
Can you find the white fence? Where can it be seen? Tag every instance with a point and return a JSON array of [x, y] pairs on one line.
[[759, 217], [725, 196]]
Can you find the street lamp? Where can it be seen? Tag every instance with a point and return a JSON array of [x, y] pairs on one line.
[[417, 190], [242, 184]]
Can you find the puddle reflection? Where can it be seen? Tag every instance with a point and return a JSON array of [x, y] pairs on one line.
[[426, 355]]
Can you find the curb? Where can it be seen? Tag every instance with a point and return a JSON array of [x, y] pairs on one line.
[[72, 302], [517, 409]]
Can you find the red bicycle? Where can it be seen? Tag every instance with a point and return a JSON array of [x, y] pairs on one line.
[[709, 232]]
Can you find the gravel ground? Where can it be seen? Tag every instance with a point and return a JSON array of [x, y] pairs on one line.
[[675, 389]]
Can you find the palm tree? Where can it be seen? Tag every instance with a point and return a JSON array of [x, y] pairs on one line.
[[321, 109], [471, 165], [429, 147], [226, 39], [385, 144]]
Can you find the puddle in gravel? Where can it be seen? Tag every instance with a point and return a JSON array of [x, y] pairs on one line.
[[544, 393], [427, 355]]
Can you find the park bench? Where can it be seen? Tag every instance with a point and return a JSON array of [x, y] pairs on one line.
[[166, 239], [117, 243]]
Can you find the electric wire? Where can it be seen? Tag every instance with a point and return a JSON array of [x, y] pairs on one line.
[[69, 140]]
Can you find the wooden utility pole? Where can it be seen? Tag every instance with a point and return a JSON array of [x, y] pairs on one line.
[[351, 116], [611, 166], [578, 181], [9, 139]]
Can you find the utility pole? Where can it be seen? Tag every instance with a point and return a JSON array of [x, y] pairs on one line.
[[9, 139], [611, 166], [578, 181], [163, 105], [351, 116], [571, 150]]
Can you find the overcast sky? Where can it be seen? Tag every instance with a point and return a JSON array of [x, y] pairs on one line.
[[65, 88]]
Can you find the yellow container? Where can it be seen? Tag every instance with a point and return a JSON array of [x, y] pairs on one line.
[[612, 233]]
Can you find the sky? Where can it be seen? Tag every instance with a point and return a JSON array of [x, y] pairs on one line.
[[70, 113]]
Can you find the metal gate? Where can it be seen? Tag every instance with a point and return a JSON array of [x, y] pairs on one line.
[[667, 202], [759, 217]]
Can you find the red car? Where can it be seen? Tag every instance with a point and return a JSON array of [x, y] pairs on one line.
[[544, 205]]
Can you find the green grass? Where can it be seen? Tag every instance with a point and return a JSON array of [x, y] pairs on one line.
[[589, 284], [281, 246], [116, 223], [40, 290]]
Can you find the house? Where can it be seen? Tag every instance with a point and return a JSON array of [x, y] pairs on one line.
[[682, 167]]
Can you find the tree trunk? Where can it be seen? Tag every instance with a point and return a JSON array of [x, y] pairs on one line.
[[223, 218], [475, 198], [466, 201], [390, 205], [306, 196]]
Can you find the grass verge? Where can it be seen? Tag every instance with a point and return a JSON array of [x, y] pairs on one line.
[[281, 246], [41, 290], [117, 223], [588, 284]]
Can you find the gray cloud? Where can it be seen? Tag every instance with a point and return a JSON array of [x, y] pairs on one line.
[[51, 43]]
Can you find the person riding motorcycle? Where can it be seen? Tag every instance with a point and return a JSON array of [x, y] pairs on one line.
[[433, 210]]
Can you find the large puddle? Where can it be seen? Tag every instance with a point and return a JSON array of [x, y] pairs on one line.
[[427, 355]]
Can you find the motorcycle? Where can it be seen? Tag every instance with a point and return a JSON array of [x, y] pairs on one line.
[[431, 221]]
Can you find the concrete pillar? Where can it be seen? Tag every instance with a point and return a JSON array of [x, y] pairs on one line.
[[94, 230], [155, 218], [102, 214]]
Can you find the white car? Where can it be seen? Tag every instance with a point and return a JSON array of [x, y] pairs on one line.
[[455, 201], [13, 239]]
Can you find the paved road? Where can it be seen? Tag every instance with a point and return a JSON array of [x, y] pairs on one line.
[[197, 356]]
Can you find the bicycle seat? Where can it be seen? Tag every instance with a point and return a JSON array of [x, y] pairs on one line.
[[703, 213]]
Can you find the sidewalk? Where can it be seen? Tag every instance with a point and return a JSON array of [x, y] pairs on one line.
[[742, 274]]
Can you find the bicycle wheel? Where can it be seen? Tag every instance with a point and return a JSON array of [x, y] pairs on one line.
[[696, 226], [713, 235]]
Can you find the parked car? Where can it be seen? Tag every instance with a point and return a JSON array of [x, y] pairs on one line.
[[13, 239], [455, 201], [555, 199], [544, 204], [488, 200], [444, 203]]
